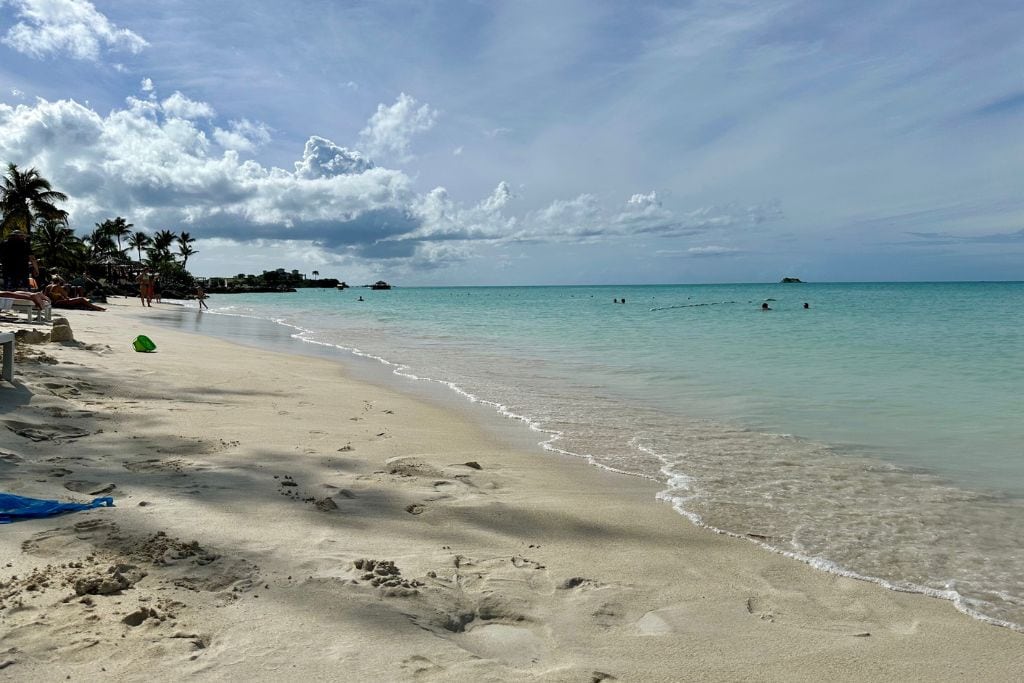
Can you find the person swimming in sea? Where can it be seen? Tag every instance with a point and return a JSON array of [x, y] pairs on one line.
[[765, 306]]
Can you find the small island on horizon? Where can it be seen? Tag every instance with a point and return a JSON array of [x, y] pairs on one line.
[[790, 280]]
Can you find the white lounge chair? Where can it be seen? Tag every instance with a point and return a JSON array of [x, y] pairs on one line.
[[31, 312], [7, 344]]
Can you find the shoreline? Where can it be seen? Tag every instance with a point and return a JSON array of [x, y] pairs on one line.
[[503, 423], [532, 566]]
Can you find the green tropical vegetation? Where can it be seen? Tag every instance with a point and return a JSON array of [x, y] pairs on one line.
[[25, 197], [29, 203], [113, 252], [279, 280]]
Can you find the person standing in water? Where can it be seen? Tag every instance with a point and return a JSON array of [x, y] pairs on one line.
[[201, 296]]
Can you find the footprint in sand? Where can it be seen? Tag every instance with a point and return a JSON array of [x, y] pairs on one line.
[[159, 465], [512, 645], [482, 606], [49, 432], [289, 488], [609, 614], [760, 608], [705, 619], [421, 666], [90, 488], [80, 538], [580, 583], [410, 466], [69, 459], [10, 460], [186, 446]]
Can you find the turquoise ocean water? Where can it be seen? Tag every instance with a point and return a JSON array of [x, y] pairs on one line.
[[878, 433]]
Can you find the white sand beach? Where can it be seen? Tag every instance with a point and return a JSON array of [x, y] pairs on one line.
[[276, 519]]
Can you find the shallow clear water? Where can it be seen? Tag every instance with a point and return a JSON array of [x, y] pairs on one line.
[[877, 433]]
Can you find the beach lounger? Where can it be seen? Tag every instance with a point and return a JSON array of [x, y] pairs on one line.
[[7, 344], [30, 310]]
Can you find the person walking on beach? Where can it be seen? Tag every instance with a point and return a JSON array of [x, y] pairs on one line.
[[17, 261], [201, 295], [145, 281]]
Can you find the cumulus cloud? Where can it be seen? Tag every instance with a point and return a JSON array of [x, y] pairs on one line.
[[72, 27], [579, 220], [442, 219], [147, 85], [566, 219], [161, 171], [390, 129], [179, 106], [164, 164], [323, 159], [649, 199], [242, 136]]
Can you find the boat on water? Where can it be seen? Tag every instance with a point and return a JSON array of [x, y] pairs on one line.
[[380, 284], [341, 285]]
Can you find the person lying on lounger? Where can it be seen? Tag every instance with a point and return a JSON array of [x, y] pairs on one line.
[[38, 299], [60, 299]]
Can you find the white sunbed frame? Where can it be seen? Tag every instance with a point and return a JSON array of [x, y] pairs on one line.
[[7, 343], [29, 309]]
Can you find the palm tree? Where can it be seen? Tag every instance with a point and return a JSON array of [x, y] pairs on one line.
[[185, 249], [100, 242], [26, 196], [119, 228], [162, 242], [139, 241], [316, 274], [57, 245]]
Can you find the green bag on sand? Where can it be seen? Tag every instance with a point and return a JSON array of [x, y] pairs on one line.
[[144, 344]]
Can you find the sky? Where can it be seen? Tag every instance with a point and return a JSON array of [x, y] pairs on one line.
[[518, 143]]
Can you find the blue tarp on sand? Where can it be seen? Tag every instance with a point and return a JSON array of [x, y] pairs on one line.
[[14, 508]]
